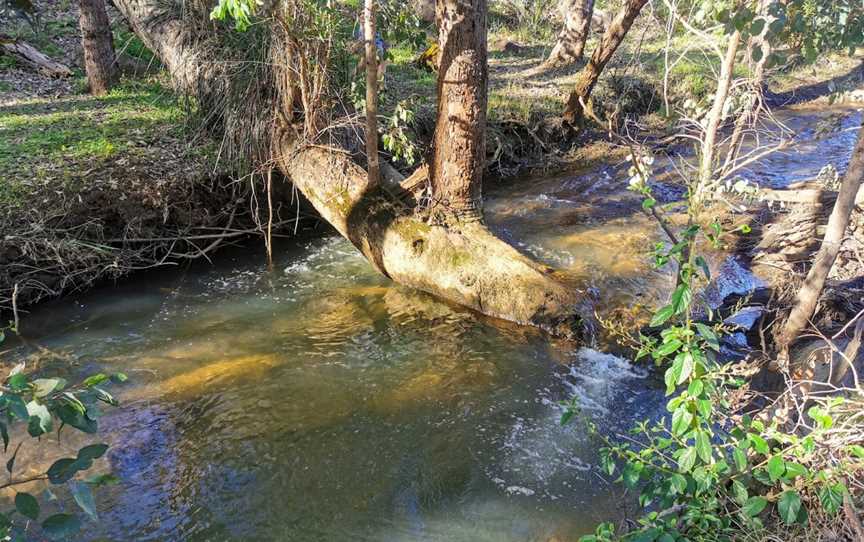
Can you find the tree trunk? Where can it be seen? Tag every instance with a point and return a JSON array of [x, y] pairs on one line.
[[459, 147], [371, 92], [715, 117], [589, 75], [30, 56], [98, 46], [808, 295], [466, 265], [571, 41]]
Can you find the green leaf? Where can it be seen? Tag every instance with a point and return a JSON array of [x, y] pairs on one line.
[[754, 506], [630, 475], [756, 28], [71, 416], [794, 470], [776, 468], [11, 463], [27, 505], [740, 459], [84, 499], [681, 420], [40, 421], [703, 265], [93, 451], [788, 506], [119, 378], [4, 432], [61, 526], [686, 368], [832, 496], [687, 459], [17, 381], [94, 380], [662, 315], [708, 334], [667, 348], [695, 388], [857, 451], [740, 492], [678, 483], [63, 470], [758, 443], [46, 386], [703, 446], [681, 299]]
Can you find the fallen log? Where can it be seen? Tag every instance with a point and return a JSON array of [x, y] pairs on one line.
[[32, 57]]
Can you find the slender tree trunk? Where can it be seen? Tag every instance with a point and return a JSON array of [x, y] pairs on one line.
[[571, 41], [371, 92], [808, 295], [589, 75], [459, 147], [715, 118], [98, 46]]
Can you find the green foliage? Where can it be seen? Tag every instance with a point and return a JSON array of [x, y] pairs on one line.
[[706, 472], [239, 10], [43, 404]]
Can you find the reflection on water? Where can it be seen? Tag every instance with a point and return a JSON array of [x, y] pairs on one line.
[[320, 402]]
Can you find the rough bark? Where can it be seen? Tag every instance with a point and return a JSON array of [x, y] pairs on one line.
[[571, 40], [808, 295], [459, 146], [465, 265], [98, 45], [589, 75], [30, 56], [371, 91]]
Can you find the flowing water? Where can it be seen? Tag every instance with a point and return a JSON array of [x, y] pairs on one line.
[[319, 401]]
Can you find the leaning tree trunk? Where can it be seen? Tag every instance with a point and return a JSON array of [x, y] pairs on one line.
[[589, 75], [808, 295], [98, 46], [571, 41], [459, 147], [465, 264]]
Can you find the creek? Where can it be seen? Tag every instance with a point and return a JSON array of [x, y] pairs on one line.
[[317, 401]]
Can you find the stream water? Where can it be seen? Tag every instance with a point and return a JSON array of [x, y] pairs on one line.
[[320, 402]]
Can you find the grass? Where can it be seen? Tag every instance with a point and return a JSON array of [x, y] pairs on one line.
[[42, 138]]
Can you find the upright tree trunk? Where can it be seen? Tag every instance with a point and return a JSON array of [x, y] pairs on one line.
[[589, 75], [808, 295], [571, 41], [459, 147], [98, 46], [371, 91], [715, 117]]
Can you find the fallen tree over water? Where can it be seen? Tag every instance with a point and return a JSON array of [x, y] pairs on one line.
[[432, 238]]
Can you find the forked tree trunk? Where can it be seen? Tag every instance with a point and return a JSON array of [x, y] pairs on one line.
[[465, 264], [98, 46], [808, 295], [459, 147], [589, 75], [571, 41]]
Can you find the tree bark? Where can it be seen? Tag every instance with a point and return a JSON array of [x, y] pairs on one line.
[[715, 117], [465, 265], [459, 146], [371, 92], [571, 41], [589, 75], [98, 46], [808, 295]]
